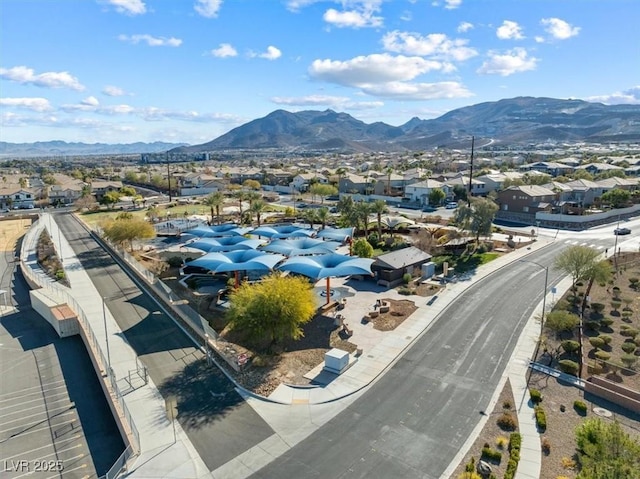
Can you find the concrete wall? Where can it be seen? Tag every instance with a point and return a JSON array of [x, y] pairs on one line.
[[627, 398], [58, 315]]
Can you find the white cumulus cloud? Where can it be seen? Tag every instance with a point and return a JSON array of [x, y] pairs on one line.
[[111, 90], [371, 69], [90, 101], [509, 31], [418, 91], [208, 8], [434, 44], [151, 40], [224, 50], [27, 76], [272, 53], [559, 29], [630, 97], [35, 104], [508, 63], [357, 18], [129, 7], [464, 27], [448, 4]]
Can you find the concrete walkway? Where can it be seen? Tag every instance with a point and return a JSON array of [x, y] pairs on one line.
[[163, 455]]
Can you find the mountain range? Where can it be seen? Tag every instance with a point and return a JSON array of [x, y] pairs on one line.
[[62, 148], [508, 122], [516, 121]]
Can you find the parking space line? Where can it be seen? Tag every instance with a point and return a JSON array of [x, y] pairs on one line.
[[51, 396], [38, 392], [24, 453], [39, 388], [22, 411], [31, 431], [44, 411]]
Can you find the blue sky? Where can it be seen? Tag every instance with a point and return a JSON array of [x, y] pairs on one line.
[[121, 71]]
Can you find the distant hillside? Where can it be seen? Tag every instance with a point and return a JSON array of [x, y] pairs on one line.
[[62, 148], [520, 120]]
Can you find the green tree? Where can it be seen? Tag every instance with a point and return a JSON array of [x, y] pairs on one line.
[[436, 196], [252, 184], [362, 248], [362, 210], [214, 201], [323, 216], [110, 198], [125, 229], [578, 262], [616, 197], [275, 308], [606, 451], [460, 193], [379, 207], [322, 190], [476, 218], [128, 191]]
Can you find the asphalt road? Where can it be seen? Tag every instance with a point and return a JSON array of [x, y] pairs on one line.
[[218, 422], [415, 419], [54, 419]]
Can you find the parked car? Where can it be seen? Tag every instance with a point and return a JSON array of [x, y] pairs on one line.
[[429, 208], [451, 205], [621, 231]]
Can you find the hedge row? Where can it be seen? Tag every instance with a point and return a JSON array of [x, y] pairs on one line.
[[515, 442]]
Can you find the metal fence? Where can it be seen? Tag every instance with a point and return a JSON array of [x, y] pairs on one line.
[[57, 292]]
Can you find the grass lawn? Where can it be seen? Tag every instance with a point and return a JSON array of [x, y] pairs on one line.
[[470, 263]]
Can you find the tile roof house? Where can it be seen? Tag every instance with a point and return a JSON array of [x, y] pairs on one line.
[[523, 202]]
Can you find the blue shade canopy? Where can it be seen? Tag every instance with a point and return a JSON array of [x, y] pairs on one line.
[[228, 229], [226, 243], [336, 234], [295, 247], [286, 231], [327, 265], [248, 260]]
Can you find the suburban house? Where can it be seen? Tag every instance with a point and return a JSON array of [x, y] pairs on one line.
[[101, 188], [17, 198], [303, 181], [478, 188], [389, 185], [389, 268], [419, 192], [549, 167], [351, 183], [521, 203], [66, 193], [596, 168], [495, 181], [585, 192]]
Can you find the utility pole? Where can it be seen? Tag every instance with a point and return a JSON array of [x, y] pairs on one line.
[[168, 176], [470, 172]]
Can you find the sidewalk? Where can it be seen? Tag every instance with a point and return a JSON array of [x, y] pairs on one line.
[[161, 456]]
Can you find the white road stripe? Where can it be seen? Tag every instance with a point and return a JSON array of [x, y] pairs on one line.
[[24, 453]]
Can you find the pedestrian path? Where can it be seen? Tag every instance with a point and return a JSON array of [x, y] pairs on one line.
[[165, 449]]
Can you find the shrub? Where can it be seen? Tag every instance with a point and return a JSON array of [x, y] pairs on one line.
[[515, 441], [603, 355], [615, 304], [568, 463], [569, 367], [541, 418], [502, 442], [636, 341], [609, 321], [625, 315], [469, 475], [570, 346], [406, 291], [546, 446], [597, 342], [606, 338], [629, 333], [406, 278], [629, 360], [633, 282], [507, 404], [593, 325], [580, 407], [59, 274], [506, 422], [535, 395], [597, 308], [491, 454], [471, 465], [512, 466], [175, 261], [628, 347]]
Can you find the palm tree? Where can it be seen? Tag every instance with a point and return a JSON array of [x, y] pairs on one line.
[[362, 212], [379, 207], [214, 201], [257, 208], [389, 171], [240, 195], [340, 172], [253, 196], [311, 216], [323, 216]]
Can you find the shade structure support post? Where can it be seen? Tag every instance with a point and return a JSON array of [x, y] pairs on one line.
[[237, 277], [328, 290]]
